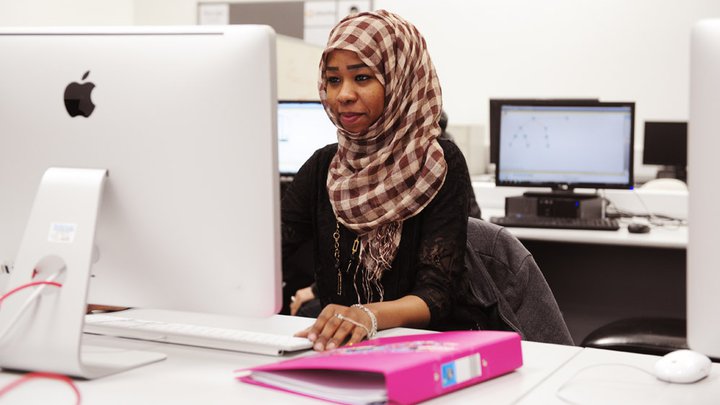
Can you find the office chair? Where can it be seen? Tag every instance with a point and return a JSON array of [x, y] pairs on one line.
[[505, 280], [657, 336], [651, 335]]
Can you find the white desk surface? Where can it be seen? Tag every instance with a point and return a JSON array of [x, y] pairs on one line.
[[540, 360], [595, 377], [194, 375], [658, 237]]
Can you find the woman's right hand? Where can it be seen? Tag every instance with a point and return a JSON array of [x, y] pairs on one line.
[[301, 296], [337, 325]]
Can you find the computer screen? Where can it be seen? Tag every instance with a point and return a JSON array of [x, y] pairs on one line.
[[665, 144], [565, 146], [496, 106], [703, 277], [303, 128], [183, 119]]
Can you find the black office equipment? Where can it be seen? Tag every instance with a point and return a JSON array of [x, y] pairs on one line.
[[562, 146], [597, 224], [557, 206], [665, 144], [656, 336], [638, 228]]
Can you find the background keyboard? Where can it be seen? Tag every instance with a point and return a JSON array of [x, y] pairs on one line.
[[599, 224], [194, 335]]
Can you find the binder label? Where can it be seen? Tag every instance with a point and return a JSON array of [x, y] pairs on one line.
[[461, 370]]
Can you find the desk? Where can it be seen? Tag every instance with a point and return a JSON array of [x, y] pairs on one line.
[[601, 276], [540, 361], [203, 376], [673, 203], [194, 375], [595, 377], [658, 237]]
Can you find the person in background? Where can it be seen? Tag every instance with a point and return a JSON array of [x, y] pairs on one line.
[[474, 207], [443, 127], [386, 208]]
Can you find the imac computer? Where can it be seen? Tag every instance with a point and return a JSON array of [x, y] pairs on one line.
[[665, 144], [139, 169], [303, 128], [565, 146], [703, 274]]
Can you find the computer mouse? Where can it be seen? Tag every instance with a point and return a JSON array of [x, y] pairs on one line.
[[638, 228], [682, 366]]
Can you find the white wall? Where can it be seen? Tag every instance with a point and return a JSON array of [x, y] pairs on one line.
[[165, 12], [634, 50], [615, 50], [297, 63], [66, 12]]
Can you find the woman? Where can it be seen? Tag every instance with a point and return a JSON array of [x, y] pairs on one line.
[[386, 208]]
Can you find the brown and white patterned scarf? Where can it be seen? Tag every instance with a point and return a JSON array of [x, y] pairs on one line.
[[392, 171]]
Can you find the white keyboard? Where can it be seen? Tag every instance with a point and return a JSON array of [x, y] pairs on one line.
[[194, 335]]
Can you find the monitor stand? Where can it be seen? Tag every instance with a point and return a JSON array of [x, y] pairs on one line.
[[46, 335], [672, 172]]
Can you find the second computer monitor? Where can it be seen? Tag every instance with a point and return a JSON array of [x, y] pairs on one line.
[[665, 144], [303, 128], [565, 146]]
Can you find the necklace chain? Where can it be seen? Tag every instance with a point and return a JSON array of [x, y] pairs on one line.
[[355, 246]]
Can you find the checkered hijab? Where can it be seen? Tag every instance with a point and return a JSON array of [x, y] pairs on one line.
[[391, 171]]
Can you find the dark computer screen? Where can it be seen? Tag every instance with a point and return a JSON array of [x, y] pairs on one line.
[[497, 103], [565, 146], [665, 143]]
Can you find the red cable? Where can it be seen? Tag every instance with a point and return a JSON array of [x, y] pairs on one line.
[[29, 376], [38, 374], [24, 286]]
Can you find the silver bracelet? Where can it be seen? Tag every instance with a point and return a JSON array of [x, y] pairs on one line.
[[341, 317], [373, 319]]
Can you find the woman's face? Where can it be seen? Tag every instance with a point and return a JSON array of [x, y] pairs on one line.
[[354, 95]]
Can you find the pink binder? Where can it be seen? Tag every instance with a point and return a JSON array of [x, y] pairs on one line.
[[402, 369]]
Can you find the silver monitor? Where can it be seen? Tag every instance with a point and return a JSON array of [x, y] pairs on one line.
[[181, 122], [703, 271]]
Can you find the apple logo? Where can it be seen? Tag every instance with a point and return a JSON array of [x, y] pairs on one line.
[[77, 98]]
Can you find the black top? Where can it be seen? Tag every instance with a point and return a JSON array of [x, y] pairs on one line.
[[431, 249]]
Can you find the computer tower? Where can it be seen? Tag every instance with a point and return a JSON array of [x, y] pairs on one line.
[[546, 205]]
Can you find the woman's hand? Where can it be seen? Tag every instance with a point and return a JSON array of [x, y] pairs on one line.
[[301, 296], [337, 325]]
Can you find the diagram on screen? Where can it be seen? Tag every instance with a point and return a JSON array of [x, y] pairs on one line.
[[530, 134]]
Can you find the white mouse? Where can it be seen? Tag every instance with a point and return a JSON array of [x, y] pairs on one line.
[[682, 366]]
